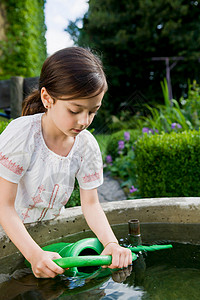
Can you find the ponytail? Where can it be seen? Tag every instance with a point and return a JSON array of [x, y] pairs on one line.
[[32, 104]]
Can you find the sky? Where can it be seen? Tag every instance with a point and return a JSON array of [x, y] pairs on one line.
[[58, 13]]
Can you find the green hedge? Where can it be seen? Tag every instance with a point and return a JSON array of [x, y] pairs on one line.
[[168, 165], [112, 146], [3, 125], [74, 199], [24, 51]]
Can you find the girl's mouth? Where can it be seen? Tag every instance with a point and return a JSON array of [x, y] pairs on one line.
[[77, 130]]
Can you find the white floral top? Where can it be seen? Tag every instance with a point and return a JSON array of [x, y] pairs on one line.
[[45, 179]]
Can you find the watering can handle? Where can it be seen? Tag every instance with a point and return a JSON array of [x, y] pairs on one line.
[[86, 261], [102, 260]]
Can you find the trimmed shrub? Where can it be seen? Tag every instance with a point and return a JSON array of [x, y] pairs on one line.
[[168, 165]]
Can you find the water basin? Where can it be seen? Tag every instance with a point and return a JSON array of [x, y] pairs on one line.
[[160, 275]]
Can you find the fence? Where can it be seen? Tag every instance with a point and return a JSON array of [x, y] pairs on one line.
[[13, 92]]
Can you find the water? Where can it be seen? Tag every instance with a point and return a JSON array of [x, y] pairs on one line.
[[172, 274]]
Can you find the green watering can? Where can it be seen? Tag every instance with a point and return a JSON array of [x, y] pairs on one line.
[[83, 257]]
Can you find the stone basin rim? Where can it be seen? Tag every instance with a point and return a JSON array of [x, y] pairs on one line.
[[181, 210]]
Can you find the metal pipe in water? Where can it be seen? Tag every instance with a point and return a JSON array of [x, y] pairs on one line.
[[134, 239], [134, 232], [134, 227]]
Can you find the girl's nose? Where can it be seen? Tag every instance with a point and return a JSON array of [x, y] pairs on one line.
[[83, 119]]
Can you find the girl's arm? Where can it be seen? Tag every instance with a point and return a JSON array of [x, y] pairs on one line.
[[97, 221], [41, 261]]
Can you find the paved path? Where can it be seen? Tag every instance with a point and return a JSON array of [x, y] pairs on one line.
[[110, 190]]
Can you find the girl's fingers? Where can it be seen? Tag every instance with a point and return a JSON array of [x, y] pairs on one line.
[[127, 258], [48, 270], [121, 259], [46, 273], [126, 261], [123, 263], [115, 261], [55, 268]]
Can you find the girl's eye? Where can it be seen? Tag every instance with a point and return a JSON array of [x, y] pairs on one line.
[[74, 112], [77, 112]]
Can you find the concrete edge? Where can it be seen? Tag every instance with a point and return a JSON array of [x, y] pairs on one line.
[[156, 210]]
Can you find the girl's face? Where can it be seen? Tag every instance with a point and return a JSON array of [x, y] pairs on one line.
[[70, 117]]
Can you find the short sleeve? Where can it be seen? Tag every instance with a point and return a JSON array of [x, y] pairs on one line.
[[14, 149], [90, 174]]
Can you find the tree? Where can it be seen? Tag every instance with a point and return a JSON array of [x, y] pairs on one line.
[[129, 33]]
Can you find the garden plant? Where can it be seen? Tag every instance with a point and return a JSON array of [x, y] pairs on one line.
[[168, 137]]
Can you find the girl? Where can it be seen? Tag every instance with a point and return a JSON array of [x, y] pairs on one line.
[[43, 151]]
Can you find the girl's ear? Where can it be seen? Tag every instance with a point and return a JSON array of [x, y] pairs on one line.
[[46, 98]]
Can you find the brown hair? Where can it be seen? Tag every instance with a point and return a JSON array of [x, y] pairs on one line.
[[72, 72]]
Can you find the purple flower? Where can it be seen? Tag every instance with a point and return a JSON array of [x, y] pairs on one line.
[[120, 145], [175, 125], [133, 189], [109, 159], [145, 129], [127, 135], [148, 130]]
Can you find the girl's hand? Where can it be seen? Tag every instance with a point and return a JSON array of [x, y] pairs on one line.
[[43, 266], [121, 257]]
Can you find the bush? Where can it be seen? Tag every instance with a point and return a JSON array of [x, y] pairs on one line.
[[167, 165], [102, 140], [3, 125], [74, 200], [191, 105]]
